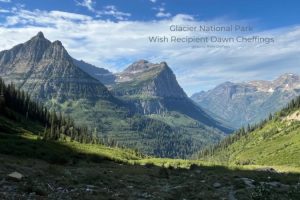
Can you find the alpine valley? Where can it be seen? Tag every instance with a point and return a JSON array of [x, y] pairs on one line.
[[70, 130], [142, 107], [63, 161]]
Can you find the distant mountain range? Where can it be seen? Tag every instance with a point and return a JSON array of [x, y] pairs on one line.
[[249, 102], [144, 106]]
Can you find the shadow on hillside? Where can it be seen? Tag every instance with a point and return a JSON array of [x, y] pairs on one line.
[[200, 178], [58, 153], [52, 152]]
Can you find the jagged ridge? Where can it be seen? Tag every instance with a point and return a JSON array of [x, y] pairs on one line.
[[46, 77], [249, 102]]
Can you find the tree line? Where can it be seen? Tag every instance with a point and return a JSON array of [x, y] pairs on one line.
[[17, 105], [244, 131]]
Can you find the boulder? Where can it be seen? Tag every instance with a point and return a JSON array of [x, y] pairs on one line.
[[15, 176], [217, 185]]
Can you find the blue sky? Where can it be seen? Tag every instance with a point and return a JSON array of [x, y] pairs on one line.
[[269, 13], [113, 33]]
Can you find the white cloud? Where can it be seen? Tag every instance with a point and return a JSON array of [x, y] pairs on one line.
[[115, 45], [111, 10], [43, 18], [5, 1], [89, 4], [162, 12], [4, 11], [153, 1]]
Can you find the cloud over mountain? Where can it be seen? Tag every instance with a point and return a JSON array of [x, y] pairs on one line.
[[115, 44]]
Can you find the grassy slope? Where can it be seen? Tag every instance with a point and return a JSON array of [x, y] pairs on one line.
[[22, 139], [85, 171], [200, 134], [277, 143]]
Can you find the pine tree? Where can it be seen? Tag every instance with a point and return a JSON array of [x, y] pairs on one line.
[[2, 99]]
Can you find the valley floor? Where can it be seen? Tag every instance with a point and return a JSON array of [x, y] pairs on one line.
[[71, 170], [106, 179]]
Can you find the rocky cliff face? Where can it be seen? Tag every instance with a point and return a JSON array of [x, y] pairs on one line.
[[153, 89], [149, 80], [249, 102], [46, 71]]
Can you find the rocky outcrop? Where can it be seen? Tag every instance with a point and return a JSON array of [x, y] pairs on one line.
[[147, 107], [139, 66], [249, 102], [148, 79]]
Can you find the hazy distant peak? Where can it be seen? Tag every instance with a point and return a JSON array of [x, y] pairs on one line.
[[39, 35], [58, 43], [139, 65], [287, 77]]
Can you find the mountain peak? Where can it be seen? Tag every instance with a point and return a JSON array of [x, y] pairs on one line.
[[287, 76], [40, 40], [57, 43], [31, 51], [158, 80], [143, 65], [47, 70], [164, 64], [287, 81], [228, 83], [138, 66], [40, 35], [142, 61]]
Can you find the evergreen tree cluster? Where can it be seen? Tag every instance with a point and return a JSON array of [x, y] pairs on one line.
[[167, 141], [18, 101], [16, 104], [237, 135], [293, 105]]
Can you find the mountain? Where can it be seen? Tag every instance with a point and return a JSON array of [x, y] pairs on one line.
[[101, 74], [51, 76], [249, 102], [152, 89], [273, 142], [46, 71], [144, 79]]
